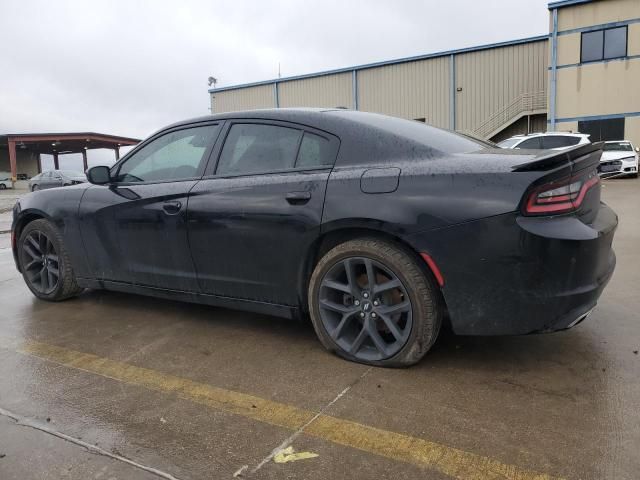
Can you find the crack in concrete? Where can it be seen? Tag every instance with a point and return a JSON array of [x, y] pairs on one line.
[[289, 440], [29, 423]]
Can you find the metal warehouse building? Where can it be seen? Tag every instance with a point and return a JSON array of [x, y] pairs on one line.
[[584, 75]]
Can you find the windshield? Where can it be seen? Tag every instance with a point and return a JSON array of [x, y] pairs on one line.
[[509, 142], [618, 147]]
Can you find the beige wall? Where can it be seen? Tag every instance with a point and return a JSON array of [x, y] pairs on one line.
[[568, 49], [632, 130], [261, 96], [491, 79], [599, 89], [597, 13], [410, 90], [325, 91]]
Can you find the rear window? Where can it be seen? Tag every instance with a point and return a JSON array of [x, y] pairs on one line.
[[617, 147], [531, 144], [444, 141], [559, 141], [509, 142]]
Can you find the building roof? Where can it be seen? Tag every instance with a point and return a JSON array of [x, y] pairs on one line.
[[70, 142], [566, 3], [509, 43]]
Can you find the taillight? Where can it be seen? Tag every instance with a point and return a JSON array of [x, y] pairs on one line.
[[560, 196]]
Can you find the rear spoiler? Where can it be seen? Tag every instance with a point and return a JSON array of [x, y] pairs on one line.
[[590, 152]]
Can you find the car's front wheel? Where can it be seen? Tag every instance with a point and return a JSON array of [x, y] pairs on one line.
[[2, 186], [371, 302], [45, 263], [34, 188]]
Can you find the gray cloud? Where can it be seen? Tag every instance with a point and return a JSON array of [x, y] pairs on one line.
[[130, 67]]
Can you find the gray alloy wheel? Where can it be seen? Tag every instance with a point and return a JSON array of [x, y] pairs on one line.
[[2, 186], [370, 302], [34, 188], [44, 261]]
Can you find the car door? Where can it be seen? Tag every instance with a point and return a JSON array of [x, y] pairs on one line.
[[254, 216], [134, 229], [55, 180]]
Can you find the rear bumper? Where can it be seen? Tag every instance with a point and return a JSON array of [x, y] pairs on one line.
[[512, 275]]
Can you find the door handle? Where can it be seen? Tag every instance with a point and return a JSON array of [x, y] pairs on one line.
[[298, 198], [171, 208]]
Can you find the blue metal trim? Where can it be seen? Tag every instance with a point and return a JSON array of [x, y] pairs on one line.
[[598, 117], [354, 88], [566, 3], [606, 60], [276, 95], [554, 70], [489, 46], [602, 26], [452, 92]]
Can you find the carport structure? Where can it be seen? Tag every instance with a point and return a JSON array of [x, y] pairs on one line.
[[57, 144]]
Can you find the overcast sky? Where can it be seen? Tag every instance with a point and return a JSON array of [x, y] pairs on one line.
[[130, 67]]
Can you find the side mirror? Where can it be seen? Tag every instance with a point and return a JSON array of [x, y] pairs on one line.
[[99, 175]]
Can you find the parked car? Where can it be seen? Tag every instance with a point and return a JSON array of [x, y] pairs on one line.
[[378, 228], [545, 141], [5, 180], [619, 158], [56, 178]]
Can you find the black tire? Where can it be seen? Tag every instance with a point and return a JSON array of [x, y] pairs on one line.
[[65, 286], [426, 305], [34, 188], [2, 186]]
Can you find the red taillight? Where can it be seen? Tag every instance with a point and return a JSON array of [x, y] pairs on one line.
[[560, 196]]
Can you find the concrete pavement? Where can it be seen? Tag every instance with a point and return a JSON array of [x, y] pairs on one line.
[[198, 392]]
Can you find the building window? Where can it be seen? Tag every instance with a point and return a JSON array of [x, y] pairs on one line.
[[604, 44], [603, 130]]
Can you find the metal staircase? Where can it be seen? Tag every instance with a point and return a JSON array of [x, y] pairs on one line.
[[531, 103]]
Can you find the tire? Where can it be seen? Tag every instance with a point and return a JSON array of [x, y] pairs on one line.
[[3, 186], [42, 237], [415, 330], [34, 188]]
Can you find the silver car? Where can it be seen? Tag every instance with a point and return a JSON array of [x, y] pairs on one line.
[[56, 178]]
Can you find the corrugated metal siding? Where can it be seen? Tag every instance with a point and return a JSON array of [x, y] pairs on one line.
[[243, 99], [491, 79], [324, 91], [409, 90], [538, 124]]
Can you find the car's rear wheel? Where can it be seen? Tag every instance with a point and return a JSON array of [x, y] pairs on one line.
[[370, 302], [34, 188], [45, 263]]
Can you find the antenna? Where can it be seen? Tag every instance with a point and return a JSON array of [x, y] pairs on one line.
[[278, 69], [213, 81]]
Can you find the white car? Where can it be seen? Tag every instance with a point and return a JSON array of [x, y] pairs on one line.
[[619, 158], [5, 181], [545, 141]]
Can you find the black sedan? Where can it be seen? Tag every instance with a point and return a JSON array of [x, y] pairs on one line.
[[379, 229]]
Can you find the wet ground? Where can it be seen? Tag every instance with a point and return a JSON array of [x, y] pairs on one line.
[[115, 386]]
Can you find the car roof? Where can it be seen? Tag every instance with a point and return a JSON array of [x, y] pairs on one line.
[[546, 134]]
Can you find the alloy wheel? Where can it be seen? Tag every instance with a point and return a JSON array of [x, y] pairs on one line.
[[41, 262], [365, 308]]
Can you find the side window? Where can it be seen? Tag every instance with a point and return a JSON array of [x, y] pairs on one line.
[[531, 143], [254, 148], [315, 151], [176, 155], [558, 141]]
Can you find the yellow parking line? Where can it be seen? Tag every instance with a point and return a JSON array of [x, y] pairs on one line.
[[453, 462]]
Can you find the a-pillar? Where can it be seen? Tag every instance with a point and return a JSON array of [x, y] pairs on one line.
[[84, 160], [12, 160], [56, 165], [117, 152]]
